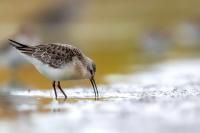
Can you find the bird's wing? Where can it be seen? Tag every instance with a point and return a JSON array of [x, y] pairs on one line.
[[55, 55]]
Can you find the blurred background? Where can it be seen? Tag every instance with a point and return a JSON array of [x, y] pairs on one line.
[[121, 36], [124, 38]]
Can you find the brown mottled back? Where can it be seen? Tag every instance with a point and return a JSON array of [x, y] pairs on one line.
[[55, 55]]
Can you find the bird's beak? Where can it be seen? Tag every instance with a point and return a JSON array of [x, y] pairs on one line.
[[92, 80]]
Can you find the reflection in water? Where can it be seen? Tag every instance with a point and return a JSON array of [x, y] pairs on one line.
[[6, 106]]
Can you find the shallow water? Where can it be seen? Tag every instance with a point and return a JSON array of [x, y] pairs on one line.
[[164, 98]]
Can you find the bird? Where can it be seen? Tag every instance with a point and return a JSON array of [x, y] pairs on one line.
[[59, 62]]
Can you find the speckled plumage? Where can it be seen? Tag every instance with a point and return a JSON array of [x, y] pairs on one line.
[[56, 55]]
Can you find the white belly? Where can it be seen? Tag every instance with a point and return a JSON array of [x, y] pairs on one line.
[[68, 72], [65, 73]]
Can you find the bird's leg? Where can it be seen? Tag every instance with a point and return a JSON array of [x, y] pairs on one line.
[[62, 90], [54, 88]]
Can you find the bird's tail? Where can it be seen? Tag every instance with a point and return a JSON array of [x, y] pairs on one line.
[[17, 45], [21, 47]]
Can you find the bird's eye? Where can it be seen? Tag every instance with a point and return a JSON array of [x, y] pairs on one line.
[[91, 72]]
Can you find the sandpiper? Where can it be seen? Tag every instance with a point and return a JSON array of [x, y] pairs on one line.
[[59, 62]]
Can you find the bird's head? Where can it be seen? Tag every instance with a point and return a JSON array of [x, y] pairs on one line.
[[91, 67]]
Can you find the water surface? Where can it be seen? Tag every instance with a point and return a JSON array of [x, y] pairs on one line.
[[164, 98]]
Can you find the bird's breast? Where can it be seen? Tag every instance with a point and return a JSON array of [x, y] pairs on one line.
[[71, 71]]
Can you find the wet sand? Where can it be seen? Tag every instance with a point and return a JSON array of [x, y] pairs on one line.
[[164, 98]]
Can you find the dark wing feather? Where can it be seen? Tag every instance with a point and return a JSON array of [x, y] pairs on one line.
[[28, 50], [55, 55]]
